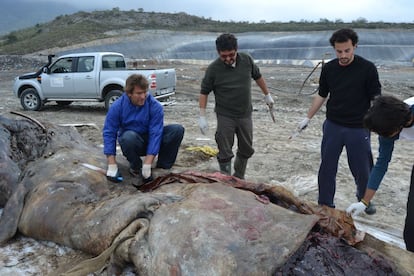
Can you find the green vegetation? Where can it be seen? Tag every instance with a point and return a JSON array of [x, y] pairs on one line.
[[83, 27]]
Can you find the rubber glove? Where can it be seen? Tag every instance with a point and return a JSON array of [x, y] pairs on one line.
[[146, 171], [154, 163], [113, 174], [356, 208], [303, 124], [269, 100], [202, 121], [112, 170]]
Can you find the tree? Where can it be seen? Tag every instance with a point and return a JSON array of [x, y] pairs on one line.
[[11, 38]]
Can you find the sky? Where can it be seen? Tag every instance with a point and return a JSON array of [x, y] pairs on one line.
[[269, 10]]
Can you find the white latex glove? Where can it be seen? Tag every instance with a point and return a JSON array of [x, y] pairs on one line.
[[112, 170], [356, 208], [154, 163], [303, 124], [202, 123], [269, 100], [146, 170]]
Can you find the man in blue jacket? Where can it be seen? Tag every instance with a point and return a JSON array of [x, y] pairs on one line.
[[136, 121]]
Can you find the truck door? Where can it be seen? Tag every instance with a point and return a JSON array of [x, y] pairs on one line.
[[59, 82], [85, 80]]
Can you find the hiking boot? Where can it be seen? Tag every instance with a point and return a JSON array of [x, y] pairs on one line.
[[137, 180], [225, 167], [240, 165], [370, 210], [157, 172], [134, 173]]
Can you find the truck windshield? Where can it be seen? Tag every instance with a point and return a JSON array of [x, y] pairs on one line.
[[113, 62], [63, 65]]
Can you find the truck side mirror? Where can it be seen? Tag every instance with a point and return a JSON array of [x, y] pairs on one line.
[[45, 70]]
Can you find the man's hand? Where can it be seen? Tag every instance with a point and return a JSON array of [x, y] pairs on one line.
[[146, 171], [202, 123], [113, 174], [112, 170], [269, 100], [303, 124], [356, 208]]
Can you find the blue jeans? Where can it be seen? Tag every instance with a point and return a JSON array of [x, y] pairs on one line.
[[357, 142], [134, 145]]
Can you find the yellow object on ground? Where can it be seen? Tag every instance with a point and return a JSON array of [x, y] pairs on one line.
[[205, 149]]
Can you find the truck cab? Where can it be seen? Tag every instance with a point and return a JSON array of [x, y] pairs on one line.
[[96, 76]]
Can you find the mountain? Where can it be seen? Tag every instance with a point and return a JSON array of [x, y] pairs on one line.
[[18, 14], [155, 35]]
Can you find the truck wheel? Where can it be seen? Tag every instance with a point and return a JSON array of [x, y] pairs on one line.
[[111, 97], [30, 100]]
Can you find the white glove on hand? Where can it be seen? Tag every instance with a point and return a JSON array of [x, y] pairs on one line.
[[269, 100], [202, 123], [303, 124], [112, 170], [154, 163], [146, 171], [356, 208]]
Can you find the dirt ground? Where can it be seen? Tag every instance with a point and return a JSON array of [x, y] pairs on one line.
[[292, 163]]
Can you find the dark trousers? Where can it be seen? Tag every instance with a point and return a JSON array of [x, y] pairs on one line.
[[409, 219], [227, 128], [357, 142], [134, 145]]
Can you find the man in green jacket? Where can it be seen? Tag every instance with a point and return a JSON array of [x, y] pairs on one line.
[[229, 77]]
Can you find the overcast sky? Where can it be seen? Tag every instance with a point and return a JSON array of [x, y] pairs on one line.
[[270, 10]]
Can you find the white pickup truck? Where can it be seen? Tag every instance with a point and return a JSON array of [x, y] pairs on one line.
[[98, 76]]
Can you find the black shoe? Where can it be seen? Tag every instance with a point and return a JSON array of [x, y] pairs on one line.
[[136, 178], [147, 180], [134, 173], [137, 182], [117, 178], [370, 210]]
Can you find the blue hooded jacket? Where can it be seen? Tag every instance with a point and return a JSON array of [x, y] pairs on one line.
[[123, 115]]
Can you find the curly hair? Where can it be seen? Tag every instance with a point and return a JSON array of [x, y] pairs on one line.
[[343, 35], [387, 116], [226, 42]]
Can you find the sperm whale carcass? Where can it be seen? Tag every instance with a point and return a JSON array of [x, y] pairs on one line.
[[191, 223]]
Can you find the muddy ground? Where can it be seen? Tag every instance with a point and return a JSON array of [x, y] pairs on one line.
[[292, 163]]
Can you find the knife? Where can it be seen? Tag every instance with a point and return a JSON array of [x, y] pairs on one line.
[[271, 113], [117, 178]]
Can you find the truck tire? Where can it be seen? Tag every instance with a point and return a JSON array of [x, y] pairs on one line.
[[111, 97], [30, 100]]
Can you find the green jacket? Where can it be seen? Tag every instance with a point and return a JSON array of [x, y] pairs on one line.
[[231, 85]]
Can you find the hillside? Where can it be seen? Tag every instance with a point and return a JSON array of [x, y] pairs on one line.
[[83, 27]]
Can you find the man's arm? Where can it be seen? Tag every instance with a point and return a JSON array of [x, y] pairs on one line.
[[317, 102], [111, 159], [202, 121], [262, 84], [268, 98], [316, 105], [149, 158], [202, 101]]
